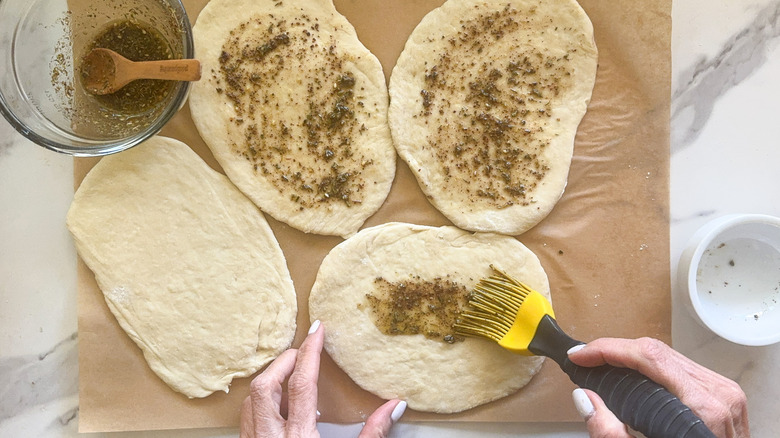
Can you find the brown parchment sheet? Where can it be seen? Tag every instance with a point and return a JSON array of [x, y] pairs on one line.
[[605, 246]]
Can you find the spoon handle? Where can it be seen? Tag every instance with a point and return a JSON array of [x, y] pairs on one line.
[[171, 69]]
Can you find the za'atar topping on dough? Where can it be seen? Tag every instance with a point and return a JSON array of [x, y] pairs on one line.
[[491, 153], [294, 108], [416, 306], [485, 102], [309, 155]]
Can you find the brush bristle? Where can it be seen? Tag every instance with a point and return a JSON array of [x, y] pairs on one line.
[[495, 302]]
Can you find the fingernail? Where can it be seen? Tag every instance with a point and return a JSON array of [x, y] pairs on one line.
[[398, 411], [314, 326], [582, 403], [318, 413], [575, 349]]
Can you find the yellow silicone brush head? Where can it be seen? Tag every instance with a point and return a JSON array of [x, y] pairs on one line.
[[521, 320], [504, 310]]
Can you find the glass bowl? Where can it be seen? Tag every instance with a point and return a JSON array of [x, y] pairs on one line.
[[41, 45]]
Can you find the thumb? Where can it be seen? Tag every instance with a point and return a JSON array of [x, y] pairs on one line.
[[600, 420], [379, 423]]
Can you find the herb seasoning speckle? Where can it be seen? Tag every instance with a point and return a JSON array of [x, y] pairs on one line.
[[427, 307], [490, 112], [297, 134]]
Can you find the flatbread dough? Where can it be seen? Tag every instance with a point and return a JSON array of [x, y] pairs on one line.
[[485, 100], [187, 264], [430, 375], [294, 108]]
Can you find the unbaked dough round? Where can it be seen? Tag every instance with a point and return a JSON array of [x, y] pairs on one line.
[[187, 264], [431, 375], [485, 101], [294, 108]]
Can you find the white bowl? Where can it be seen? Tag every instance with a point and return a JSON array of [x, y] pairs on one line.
[[730, 272]]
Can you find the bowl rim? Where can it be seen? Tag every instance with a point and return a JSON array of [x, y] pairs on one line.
[[175, 104], [699, 243]]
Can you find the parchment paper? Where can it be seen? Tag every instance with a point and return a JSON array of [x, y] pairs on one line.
[[605, 246]]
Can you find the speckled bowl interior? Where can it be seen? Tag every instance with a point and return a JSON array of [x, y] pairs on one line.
[[730, 272]]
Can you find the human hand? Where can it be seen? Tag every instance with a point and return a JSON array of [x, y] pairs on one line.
[[718, 401], [266, 412]]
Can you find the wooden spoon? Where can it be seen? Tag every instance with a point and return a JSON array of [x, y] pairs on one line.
[[105, 71]]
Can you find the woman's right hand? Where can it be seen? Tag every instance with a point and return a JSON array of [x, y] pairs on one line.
[[718, 401]]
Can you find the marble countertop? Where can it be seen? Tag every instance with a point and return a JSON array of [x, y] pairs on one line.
[[725, 152]]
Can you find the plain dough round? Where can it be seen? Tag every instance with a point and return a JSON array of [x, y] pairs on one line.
[[430, 375], [187, 264], [313, 47], [474, 76]]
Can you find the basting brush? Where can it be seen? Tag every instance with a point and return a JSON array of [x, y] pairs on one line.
[[522, 321]]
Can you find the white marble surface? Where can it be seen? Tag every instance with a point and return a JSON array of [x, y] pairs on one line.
[[725, 158]]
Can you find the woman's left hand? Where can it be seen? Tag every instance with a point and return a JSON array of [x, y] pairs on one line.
[[266, 413]]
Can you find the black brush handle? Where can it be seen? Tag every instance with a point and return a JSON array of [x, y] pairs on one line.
[[637, 401]]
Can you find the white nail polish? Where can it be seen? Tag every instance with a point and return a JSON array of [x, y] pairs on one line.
[[582, 403], [398, 411], [575, 349], [314, 326]]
